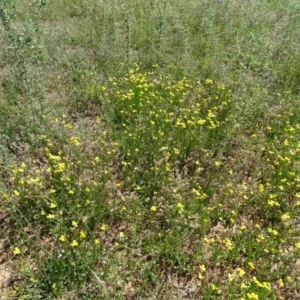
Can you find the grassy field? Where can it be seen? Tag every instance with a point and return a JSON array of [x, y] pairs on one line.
[[150, 149]]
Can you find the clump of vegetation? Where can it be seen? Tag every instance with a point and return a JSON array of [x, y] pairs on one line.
[[149, 150]]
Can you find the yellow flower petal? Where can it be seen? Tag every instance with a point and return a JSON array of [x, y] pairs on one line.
[[17, 251]]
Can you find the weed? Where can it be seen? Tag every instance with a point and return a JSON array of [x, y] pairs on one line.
[[149, 150]]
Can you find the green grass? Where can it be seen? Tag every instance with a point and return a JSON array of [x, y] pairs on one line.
[[149, 150]]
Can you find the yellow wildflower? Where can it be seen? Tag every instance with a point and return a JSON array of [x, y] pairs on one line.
[[180, 207], [251, 265], [16, 193], [82, 234], [103, 227], [243, 285], [218, 163], [228, 243], [74, 243], [252, 296], [17, 251], [62, 238], [240, 272], [297, 245], [74, 224], [153, 208], [202, 268], [60, 167], [74, 140], [201, 122], [280, 283], [285, 217]]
